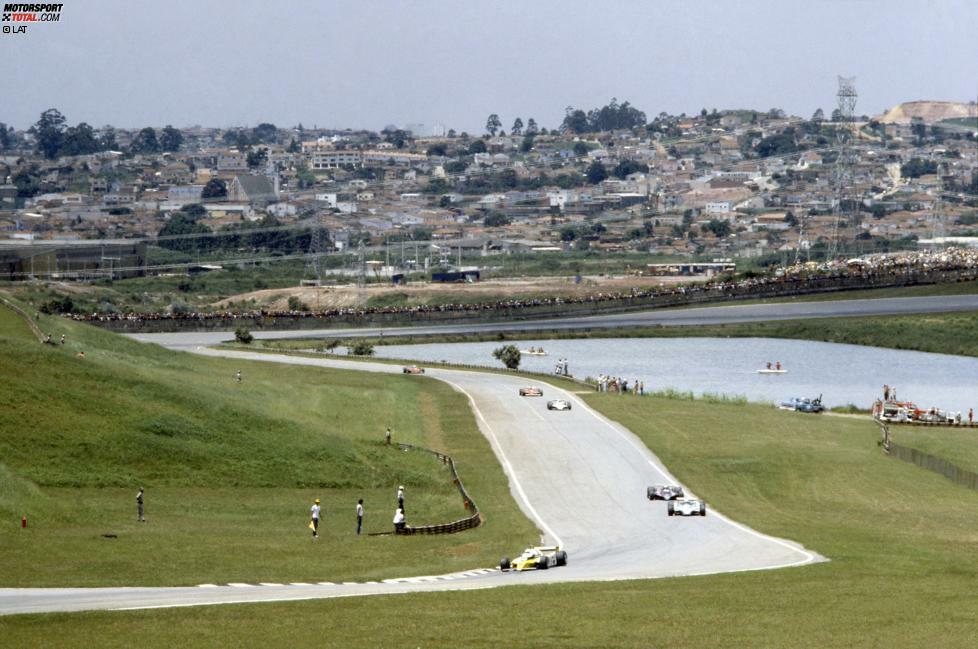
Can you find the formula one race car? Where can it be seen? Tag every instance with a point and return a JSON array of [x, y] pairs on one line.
[[558, 404], [687, 507], [539, 558], [531, 391], [413, 369], [664, 492]]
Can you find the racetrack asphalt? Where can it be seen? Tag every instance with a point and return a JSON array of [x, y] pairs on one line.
[[712, 315], [581, 477]]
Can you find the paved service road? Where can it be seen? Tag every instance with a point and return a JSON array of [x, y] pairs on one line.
[[666, 317], [581, 477]]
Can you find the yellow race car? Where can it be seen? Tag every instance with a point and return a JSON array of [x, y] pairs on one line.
[[538, 558]]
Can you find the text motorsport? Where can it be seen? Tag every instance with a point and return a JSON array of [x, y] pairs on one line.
[[28, 13], [31, 13]]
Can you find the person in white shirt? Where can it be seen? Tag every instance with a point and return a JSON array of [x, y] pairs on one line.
[[315, 519], [399, 522], [400, 497], [359, 516]]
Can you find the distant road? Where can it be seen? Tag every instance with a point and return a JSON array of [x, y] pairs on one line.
[[665, 317]]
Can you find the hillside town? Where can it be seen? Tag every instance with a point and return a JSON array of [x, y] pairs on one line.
[[717, 184]]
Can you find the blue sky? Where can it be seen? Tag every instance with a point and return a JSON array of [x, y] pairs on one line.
[[368, 64]]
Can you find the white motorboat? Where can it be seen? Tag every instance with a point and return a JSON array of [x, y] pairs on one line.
[[772, 371], [533, 352]]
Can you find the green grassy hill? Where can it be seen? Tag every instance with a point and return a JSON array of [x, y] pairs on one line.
[[230, 468], [901, 541]]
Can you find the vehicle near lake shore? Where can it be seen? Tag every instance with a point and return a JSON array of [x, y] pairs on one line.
[[803, 404]]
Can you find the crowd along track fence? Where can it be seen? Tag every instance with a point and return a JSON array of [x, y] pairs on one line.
[[507, 311]]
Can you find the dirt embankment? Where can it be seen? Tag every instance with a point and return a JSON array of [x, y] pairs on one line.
[[328, 297]]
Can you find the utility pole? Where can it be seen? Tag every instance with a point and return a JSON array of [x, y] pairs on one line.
[[846, 97]]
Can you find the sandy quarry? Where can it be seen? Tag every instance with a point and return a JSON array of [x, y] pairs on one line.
[[929, 111]]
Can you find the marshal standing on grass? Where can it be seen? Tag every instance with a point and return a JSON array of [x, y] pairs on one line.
[[139, 506], [314, 523]]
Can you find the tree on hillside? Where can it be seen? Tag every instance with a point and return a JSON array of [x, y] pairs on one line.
[[496, 220], [479, 146], [517, 127], [215, 188], [818, 115], [6, 136], [607, 118], [596, 173], [527, 144], [106, 140], [531, 127], [719, 228], [398, 137], [575, 121], [509, 355], [171, 139], [145, 142], [256, 159], [493, 124], [917, 167], [581, 149], [49, 133], [265, 133], [181, 223], [79, 140], [627, 167]]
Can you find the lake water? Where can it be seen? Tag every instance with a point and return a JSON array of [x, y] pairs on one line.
[[842, 374]]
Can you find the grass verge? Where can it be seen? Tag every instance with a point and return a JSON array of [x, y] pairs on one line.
[[901, 542], [230, 468]]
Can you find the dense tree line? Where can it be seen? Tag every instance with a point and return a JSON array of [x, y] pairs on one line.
[[607, 118], [252, 236], [501, 181], [917, 167], [264, 133], [54, 138]]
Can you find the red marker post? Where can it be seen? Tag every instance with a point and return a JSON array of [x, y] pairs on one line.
[[23, 522]]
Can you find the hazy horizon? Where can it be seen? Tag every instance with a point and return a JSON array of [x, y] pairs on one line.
[[369, 64]]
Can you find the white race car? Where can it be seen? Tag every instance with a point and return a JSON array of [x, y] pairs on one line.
[[687, 507], [558, 404]]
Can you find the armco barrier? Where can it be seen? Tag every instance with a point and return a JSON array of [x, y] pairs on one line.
[[467, 523], [936, 464]]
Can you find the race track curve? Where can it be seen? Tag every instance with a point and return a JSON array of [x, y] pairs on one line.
[[579, 476]]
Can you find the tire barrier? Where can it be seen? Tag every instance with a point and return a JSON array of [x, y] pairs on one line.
[[467, 523], [936, 464]]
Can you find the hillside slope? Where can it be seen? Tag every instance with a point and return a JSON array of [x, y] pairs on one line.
[[930, 112]]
